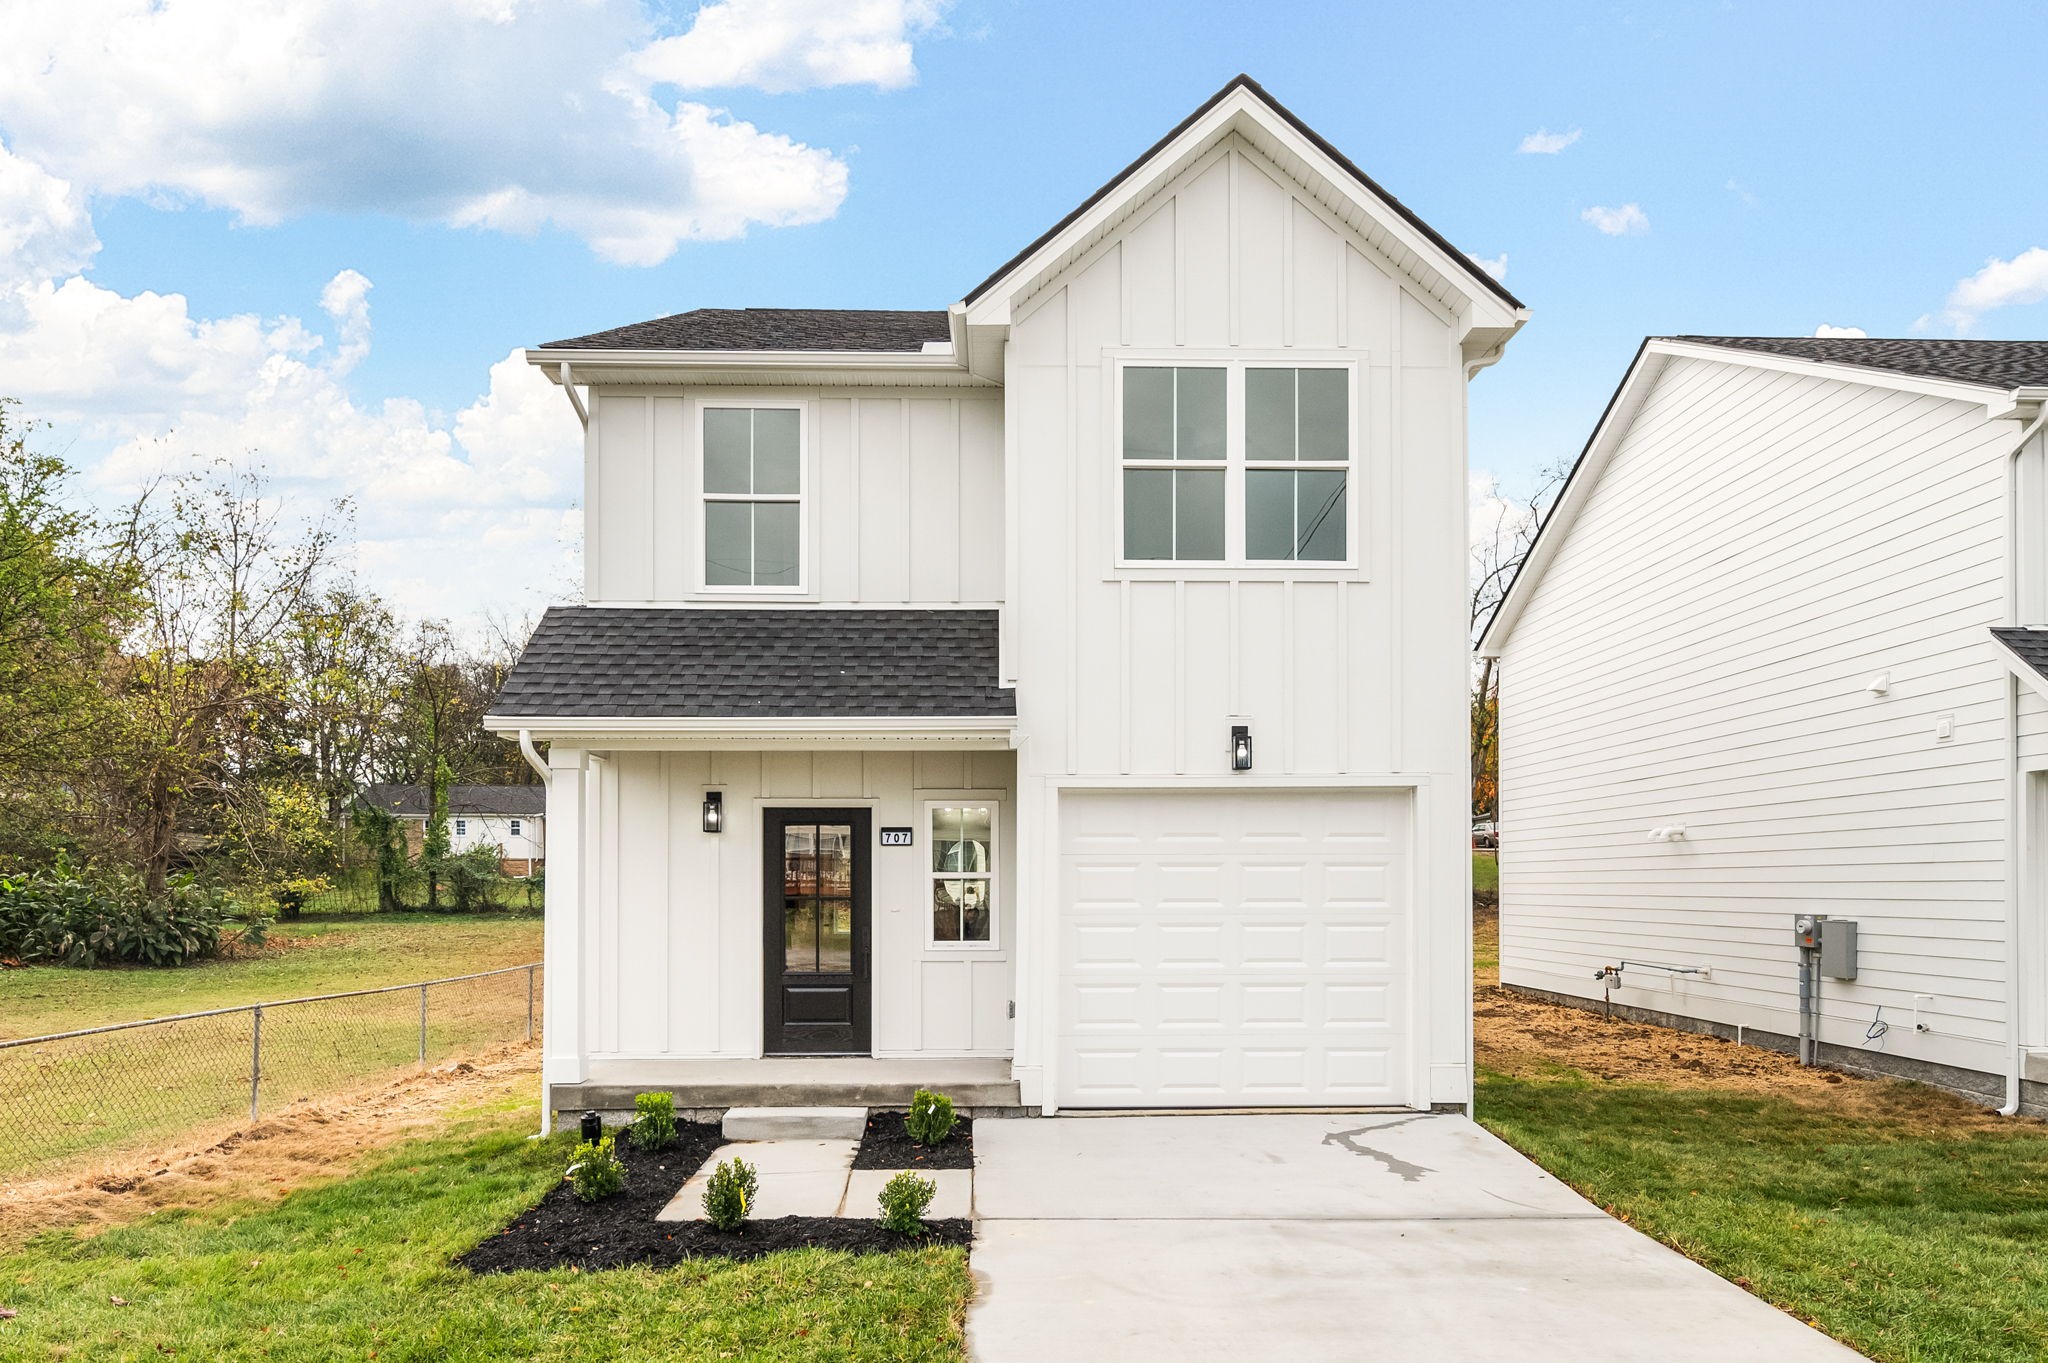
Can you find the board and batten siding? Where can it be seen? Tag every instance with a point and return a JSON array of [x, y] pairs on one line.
[[1699, 652], [903, 496], [1138, 672], [672, 927]]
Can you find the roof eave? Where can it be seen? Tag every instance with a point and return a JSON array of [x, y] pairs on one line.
[[583, 361], [702, 731]]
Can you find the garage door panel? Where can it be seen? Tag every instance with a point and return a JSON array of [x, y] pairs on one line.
[[1236, 948]]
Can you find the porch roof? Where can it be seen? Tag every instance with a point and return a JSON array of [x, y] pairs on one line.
[[757, 663]]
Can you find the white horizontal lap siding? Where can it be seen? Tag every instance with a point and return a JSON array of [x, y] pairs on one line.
[[902, 489], [675, 969], [2033, 729], [1760, 546]]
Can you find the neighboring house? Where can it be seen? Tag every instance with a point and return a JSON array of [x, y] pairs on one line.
[[512, 819], [1058, 697], [1779, 651]]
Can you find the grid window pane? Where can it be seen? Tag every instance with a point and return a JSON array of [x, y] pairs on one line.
[[974, 910], [945, 910], [1269, 414], [835, 937], [1319, 516], [1325, 422], [1198, 514], [1148, 513], [728, 544], [728, 445], [775, 544], [1148, 413], [799, 936], [1269, 514], [1198, 413], [775, 450]]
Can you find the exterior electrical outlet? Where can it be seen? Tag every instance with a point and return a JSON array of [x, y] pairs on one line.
[[1838, 948]]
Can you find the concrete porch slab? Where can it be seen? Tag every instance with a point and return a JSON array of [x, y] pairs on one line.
[[797, 1178], [794, 1123], [976, 1087], [954, 1198]]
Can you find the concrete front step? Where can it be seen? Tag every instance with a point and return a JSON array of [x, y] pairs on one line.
[[705, 1088], [795, 1123]]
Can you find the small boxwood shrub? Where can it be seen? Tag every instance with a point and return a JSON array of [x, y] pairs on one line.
[[930, 1119], [904, 1201], [654, 1120], [729, 1194], [595, 1172]]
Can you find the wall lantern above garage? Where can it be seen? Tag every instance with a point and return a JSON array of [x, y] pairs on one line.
[[714, 811], [1240, 747]]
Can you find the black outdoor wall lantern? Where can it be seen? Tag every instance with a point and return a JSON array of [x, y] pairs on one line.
[[1240, 747], [714, 811]]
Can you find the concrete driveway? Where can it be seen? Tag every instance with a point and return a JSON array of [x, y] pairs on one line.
[[1313, 1237]]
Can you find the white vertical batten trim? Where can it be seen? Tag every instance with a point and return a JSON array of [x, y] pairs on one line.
[[909, 501], [1396, 707], [1123, 676], [1180, 677], [1233, 245], [1070, 560]]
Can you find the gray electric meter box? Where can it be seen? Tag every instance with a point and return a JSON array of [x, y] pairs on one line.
[[1838, 948]]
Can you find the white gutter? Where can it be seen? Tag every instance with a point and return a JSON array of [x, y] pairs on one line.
[[2015, 1057], [909, 360], [568, 383], [532, 756]]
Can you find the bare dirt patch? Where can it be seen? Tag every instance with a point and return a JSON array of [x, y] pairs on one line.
[[309, 1141], [1528, 1039]]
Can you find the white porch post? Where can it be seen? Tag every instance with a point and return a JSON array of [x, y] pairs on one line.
[[562, 1049]]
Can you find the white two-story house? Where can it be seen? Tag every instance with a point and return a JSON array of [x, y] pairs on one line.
[[1058, 697]]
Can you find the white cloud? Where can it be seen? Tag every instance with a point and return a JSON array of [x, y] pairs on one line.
[[484, 113], [1543, 142], [1497, 266], [2000, 284], [1627, 220], [1850, 333], [782, 45], [45, 229]]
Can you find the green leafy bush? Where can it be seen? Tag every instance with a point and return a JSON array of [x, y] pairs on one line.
[[729, 1194], [69, 918], [931, 1118], [654, 1120], [904, 1201], [595, 1172]]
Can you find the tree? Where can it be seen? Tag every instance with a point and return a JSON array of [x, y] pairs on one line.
[[341, 685], [436, 844], [1504, 530]]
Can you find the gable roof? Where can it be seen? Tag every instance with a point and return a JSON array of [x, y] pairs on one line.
[[1996, 364], [670, 662], [417, 802], [2030, 646], [1344, 163], [808, 329], [1997, 369]]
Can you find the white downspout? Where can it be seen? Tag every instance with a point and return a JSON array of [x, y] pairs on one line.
[[2014, 1055], [532, 756]]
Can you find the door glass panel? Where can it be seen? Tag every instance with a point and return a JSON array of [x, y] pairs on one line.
[[800, 859], [799, 936], [835, 937], [835, 859]]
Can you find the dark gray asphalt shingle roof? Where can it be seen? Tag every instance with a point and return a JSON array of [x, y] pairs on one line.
[[2030, 645], [676, 662], [414, 802], [1996, 364], [771, 329]]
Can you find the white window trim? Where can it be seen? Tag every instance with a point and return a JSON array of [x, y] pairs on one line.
[[994, 876], [461, 828], [801, 497], [1235, 465], [516, 827]]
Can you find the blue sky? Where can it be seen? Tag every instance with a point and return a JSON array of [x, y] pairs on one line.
[[1790, 166]]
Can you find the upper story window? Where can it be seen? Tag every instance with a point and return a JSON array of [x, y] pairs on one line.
[[753, 497], [1240, 463]]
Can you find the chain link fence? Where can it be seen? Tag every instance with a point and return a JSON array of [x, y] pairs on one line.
[[73, 1093]]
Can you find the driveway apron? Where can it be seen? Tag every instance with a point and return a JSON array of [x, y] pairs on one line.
[[1326, 1236]]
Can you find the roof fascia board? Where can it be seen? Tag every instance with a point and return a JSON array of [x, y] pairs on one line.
[[1999, 401], [1627, 400], [584, 361], [2021, 668], [990, 304], [993, 731]]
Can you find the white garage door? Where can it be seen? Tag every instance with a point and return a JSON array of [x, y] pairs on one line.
[[1239, 949]]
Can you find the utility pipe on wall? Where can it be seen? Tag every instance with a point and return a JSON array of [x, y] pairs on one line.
[[2014, 1056]]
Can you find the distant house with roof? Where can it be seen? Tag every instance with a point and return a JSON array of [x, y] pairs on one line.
[[512, 819], [1779, 656]]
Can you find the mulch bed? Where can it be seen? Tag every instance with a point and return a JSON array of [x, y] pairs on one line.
[[561, 1232], [886, 1145]]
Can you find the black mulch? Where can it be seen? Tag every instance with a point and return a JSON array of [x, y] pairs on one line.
[[561, 1232], [885, 1145]]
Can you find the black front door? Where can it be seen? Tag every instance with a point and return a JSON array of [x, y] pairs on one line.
[[815, 921]]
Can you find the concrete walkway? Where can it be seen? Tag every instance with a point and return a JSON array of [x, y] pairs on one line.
[[1304, 1236]]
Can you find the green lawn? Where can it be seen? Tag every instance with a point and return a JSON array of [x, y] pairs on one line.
[[359, 1268], [1910, 1231], [1485, 873], [326, 954], [91, 1096]]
